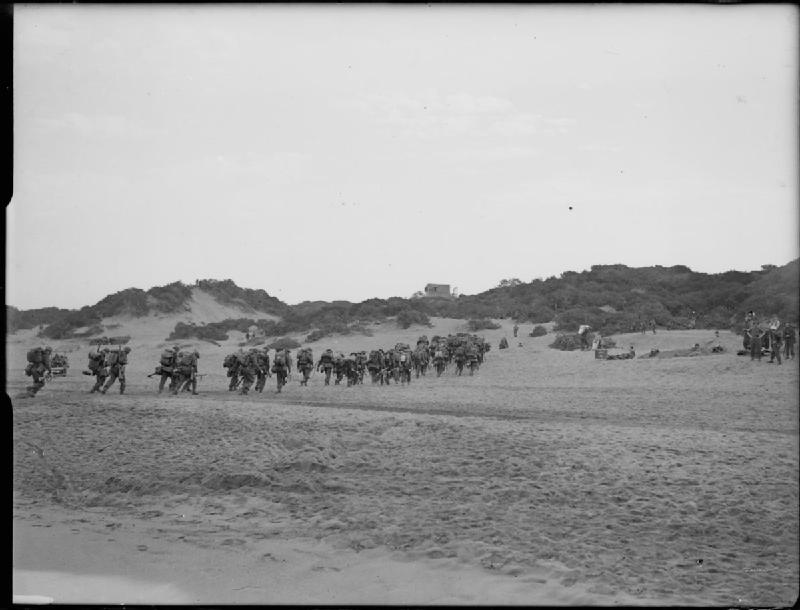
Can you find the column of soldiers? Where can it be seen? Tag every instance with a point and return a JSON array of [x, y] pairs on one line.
[[244, 368], [179, 368]]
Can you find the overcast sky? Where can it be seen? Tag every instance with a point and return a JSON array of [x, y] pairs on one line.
[[349, 152]]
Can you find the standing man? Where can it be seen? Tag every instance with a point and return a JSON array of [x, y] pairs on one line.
[[788, 341], [516, 329], [754, 334], [775, 344]]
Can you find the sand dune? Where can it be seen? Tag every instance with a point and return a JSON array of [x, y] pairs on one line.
[[549, 476]]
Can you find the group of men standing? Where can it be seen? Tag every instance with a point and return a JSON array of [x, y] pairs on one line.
[[774, 339]]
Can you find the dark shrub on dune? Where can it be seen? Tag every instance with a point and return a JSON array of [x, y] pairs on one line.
[[407, 317], [284, 343], [484, 324], [538, 331]]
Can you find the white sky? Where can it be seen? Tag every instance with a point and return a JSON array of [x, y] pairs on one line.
[[349, 152]]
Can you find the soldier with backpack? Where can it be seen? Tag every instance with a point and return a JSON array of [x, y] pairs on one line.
[[247, 370], [97, 367], [326, 364], [167, 365], [460, 357], [186, 373], [262, 369], [231, 362], [282, 366], [38, 367], [361, 363], [115, 363], [338, 368], [305, 364], [375, 364]]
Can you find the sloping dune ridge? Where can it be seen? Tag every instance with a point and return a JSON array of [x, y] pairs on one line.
[[548, 477]]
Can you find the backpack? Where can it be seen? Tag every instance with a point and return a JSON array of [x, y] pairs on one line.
[[167, 357], [187, 360], [280, 359], [36, 355], [95, 361], [112, 357]]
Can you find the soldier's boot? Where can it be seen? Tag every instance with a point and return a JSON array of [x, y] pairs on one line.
[[122, 387]]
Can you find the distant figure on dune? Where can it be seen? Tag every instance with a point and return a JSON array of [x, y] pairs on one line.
[[583, 332], [516, 330]]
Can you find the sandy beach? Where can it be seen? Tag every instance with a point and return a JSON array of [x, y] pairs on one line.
[[548, 478]]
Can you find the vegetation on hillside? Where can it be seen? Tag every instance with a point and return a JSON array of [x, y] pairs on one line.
[[227, 292], [610, 298]]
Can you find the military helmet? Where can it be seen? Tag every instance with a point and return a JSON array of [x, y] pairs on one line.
[[196, 353], [176, 348], [127, 349], [48, 349]]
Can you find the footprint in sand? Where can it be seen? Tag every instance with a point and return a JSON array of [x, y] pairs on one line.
[[233, 542]]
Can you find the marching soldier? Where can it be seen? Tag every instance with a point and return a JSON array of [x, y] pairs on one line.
[[282, 367], [262, 369], [115, 362], [326, 364], [187, 373], [169, 361], [38, 368], [247, 370], [97, 367]]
